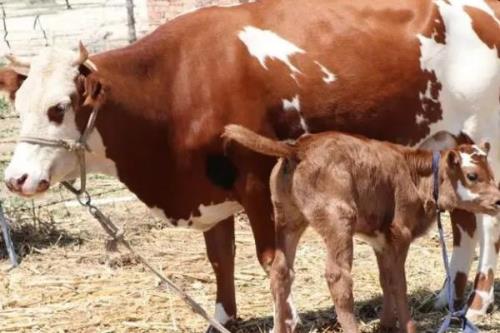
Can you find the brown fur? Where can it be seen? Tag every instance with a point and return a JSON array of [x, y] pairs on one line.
[[344, 185], [169, 95]]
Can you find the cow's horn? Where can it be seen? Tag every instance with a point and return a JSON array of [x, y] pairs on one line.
[[20, 66], [83, 58]]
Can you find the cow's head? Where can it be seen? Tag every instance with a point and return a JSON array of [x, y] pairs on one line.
[[468, 182], [50, 93]]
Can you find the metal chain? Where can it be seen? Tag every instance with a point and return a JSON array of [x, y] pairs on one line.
[[117, 236]]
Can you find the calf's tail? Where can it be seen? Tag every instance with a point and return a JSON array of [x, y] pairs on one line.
[[258, 143]]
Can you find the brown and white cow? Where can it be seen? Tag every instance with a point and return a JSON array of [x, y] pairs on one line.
[[344, 186], [396, 70]]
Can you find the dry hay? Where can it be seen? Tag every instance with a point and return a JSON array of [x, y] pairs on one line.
[[76, 286]]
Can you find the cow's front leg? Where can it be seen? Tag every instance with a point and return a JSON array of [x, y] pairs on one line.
[[221, 250], [465, 237], [483, 295]]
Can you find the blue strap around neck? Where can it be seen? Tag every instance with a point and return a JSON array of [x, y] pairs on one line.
[[467, 326], [436, 157]]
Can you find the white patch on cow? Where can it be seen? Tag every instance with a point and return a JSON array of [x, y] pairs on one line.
[[264, 44], [208, 216], [487, 298], [329, 76], [474, 314], [489, 233], [377, 242], [461, 260], [220, 314], [420, 119], [295, 320], [469, 87], [293, 104], [427, 95], [465, 194]]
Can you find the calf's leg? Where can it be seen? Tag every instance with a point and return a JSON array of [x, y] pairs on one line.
[[221, 250], [282, 275], [388, 316], [335, 225], [398, 281]]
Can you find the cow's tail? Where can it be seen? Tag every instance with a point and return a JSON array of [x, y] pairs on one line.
[[258, 143]]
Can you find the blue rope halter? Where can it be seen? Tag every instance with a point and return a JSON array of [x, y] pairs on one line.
[[467, 326]]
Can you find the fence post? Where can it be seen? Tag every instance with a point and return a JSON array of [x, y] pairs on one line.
[[132, 36], [6, 236]]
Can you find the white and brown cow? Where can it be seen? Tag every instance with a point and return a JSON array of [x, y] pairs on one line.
[[396, 70]]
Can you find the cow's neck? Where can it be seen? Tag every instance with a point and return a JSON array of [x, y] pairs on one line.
[[420, 164], [133, 123]]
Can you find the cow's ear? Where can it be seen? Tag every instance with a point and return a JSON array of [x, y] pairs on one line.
[[10, 81], [93, 91]]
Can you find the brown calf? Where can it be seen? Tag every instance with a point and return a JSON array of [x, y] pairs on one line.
[[344, 185]]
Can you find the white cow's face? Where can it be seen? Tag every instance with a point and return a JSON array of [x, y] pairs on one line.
[[44, 103]]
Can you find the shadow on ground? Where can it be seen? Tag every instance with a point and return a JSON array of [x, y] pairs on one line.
[[324, 320], [31, 237]]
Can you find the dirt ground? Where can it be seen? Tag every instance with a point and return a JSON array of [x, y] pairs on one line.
[[68, 282]]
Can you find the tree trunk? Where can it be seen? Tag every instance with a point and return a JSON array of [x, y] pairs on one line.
[[132, 36]]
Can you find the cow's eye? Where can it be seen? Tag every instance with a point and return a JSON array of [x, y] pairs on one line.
[[56, 112], [472, 176]]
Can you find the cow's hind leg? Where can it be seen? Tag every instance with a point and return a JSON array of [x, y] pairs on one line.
[[254, 194], [221, 250], [483, 296]]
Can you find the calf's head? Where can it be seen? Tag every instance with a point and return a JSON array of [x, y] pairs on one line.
[[49, 94], [467, 181]]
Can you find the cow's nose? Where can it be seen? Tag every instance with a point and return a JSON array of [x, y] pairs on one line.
[[15, 184], [20, 181], [497, 203], [43, 185]]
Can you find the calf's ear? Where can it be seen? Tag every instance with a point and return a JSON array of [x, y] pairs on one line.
[[453, 159], [485, 146]]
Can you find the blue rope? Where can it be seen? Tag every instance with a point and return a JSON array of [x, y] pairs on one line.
[[467, 326]]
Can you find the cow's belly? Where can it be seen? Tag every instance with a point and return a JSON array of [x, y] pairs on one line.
[[203, 218]]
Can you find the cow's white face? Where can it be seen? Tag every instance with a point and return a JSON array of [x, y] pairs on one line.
[[44, 105]]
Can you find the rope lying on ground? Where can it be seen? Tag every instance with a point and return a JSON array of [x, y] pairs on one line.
[[117, 235]]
